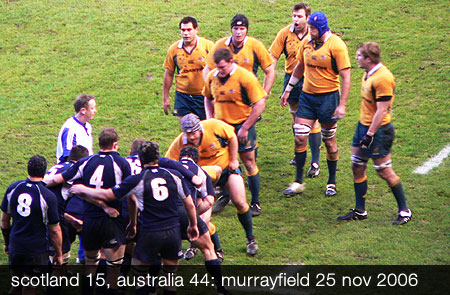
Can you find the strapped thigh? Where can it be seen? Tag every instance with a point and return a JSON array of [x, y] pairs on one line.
[[301, 129], [383, 166]]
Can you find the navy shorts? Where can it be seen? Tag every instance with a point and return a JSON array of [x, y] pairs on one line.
[[382, 140], [318, 106], [251, 144], [103, 232], [184, 223], [152, 246], [186, 103], [29, 265], [295, 92], [225, 174]]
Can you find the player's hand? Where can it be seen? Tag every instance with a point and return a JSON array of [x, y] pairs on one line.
[[166, 106], [192, 232], [242, 135], [57, 259], [197, 181], [77, 224], [112, 212], [284, 98], [339, 113], [234, 164], [366, 141], [77, 189], [131, 231]]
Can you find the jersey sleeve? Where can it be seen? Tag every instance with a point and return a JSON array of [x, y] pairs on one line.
[[277, 45], [68, 140], [74, 172], [127, 186], [254, 89], [52, 210], [224, 130], [263, 55], [340, 53], [175, 165], [173, 152], [169, 62], [384, 87]]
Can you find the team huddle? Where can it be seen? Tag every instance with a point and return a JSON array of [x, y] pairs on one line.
[[137, 210]]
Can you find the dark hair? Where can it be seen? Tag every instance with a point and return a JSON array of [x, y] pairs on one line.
[[370, 50], [148, 152], [303, 6], [78, 152], [82, 101], [108, 136], [188, 19], [37, 166], [222, 54], [191, 152], [136, 144]]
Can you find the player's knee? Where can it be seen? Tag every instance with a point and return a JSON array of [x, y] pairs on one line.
[[328, 133], [212, 228], [333, 156], [301, 129], [358, 161], [382, 166], [242, 207], [93, 259], [140, 270], [115, 263], [252, 171]]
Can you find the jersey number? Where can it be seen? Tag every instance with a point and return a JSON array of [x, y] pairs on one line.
[[160, 192], [96, 178], [23, 208]]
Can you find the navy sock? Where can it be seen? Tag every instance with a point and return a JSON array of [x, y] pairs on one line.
[[300, 159], [253, 185], [360, 195], [315, 139], [247, 223], [397, 190], [216, 241], [332, 167], [215, 270]]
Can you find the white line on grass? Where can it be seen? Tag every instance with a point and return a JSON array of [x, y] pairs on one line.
[[433, 162]]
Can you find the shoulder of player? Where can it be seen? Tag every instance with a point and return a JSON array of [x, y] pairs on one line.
[[205, 41], [255, 43]]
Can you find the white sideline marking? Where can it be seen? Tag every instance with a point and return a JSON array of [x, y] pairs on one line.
[[433, 162]]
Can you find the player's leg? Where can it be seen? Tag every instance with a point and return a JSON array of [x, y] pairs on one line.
[[329, 138], [253, 179], [114, 258], [236, 188], [302, 128], [383, 166], [315, 140], [359, 165]]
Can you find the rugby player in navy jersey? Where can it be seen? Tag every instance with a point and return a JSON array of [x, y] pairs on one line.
[[203, 198], [102, 170], [34, 211], [157, 191]]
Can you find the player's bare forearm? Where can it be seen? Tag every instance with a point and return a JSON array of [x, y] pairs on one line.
[[92, 193], [167, 84], [345, 86], [382, 110], [190, 210], [257, 110], [269, 78], [209, 107], [233, 147], [56, 239], [205, 72], [53, 180]]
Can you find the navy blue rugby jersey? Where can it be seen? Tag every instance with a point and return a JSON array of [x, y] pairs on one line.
[[207, 187], [102, 170], [61, 190], [157, 190], [32, 207]]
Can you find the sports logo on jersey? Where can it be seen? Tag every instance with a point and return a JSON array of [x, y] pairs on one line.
[[314, 57], [222, 93], [323, 57], [201, 58], [246, 60], [232, 91], [191, 62]]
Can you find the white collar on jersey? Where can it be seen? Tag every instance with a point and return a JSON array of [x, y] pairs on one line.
[[326, 38], [231, 73], [180, 43], [373, 70], [228, 41]]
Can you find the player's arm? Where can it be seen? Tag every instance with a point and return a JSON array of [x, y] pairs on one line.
[[204, 204], [381, 112], [56, 239], [53, 180], [205, 72], [297, 74], [167, 84], [257, 109], [209, 107], [6, 229], [345, 91], [133, 212], [175, 165], [75, 222], [269, 78], [93, 193], [233, 146], [189, 206]]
